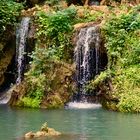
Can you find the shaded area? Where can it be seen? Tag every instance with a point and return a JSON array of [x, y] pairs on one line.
[[10, 76], [7, 64]]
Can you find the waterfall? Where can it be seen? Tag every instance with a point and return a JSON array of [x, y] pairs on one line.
[[21, 42], [86, 58]]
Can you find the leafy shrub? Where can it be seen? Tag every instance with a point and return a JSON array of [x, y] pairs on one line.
[[36, 84], [129, 103], [9, 11], [41, 58]]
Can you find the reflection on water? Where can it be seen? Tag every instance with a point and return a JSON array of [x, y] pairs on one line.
[[77, 124]]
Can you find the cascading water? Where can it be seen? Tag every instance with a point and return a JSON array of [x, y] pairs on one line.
[[87, 58], [21, 42], [5, 97]]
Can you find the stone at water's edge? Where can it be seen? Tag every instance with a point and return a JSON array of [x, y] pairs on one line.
[[45, 131]]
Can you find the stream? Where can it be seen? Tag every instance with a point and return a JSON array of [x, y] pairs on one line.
[[75, 124]]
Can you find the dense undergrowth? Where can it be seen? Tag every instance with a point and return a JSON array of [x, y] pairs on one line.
[[122, 32]]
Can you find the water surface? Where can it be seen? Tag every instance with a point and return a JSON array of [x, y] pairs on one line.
[[75, 124]]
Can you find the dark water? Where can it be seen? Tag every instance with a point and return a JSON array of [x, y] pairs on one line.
[[92, 124]]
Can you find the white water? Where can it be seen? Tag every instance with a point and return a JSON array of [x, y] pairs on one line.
[[87, 58], [21, 38], [4, 99], [83, 105]]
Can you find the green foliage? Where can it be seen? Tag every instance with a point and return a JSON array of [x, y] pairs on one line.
[[41, 60], [35, 90], [55, 30], [129, 103], [36, 85], [9, 11], [120, 35], [122, 42], [54, 27]]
